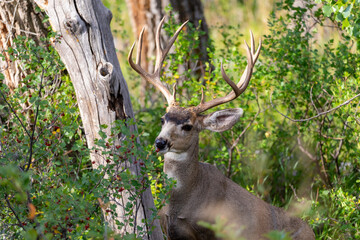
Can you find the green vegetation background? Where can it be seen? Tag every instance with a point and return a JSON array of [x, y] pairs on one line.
[[309, 65]]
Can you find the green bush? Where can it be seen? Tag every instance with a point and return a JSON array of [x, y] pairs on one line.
[[48, 186], [305, 159]]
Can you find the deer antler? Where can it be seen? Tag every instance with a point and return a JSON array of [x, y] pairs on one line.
[[154, 78], [239, 88]]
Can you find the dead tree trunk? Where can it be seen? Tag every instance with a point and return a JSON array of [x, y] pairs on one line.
[[88, 51]]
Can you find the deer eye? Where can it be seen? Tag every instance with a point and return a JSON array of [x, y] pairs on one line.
[[186, 127], [162, 121]]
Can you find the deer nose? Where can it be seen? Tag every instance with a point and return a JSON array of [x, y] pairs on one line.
[[161, 143]]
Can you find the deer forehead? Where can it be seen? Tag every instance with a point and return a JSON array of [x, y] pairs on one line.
[[179, 116]]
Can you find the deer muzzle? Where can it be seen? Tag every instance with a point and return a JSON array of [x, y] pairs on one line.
[[161, 144]]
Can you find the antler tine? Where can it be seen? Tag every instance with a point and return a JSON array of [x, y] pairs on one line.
[[162, 52], [159, 51], [239, 88], [154, 78], [254, 59], [252, 42], [202, 96], [136, 66], [255, 54], [138, 53], [228, 80], [174, 91], [244, 81]]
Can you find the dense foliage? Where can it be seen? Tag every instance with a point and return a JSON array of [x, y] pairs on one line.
[[48, 188], [344, 12], [297, 145]]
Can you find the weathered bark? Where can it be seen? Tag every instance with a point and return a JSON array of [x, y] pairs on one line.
[[18, 18], [88, 51]]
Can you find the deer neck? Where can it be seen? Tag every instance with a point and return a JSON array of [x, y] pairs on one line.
[[183, 167]]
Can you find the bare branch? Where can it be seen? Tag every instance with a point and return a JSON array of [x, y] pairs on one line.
[[13, 211], [356, 110], [32, 140], [316, 116], [306, 152], [14, 112], [20, 30]]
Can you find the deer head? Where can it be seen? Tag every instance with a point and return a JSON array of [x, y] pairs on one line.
[[181, 126]]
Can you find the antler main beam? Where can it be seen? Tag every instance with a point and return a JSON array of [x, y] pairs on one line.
[[239, 88], [154, 78]]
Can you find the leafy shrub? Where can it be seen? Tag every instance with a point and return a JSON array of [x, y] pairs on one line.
[[48, 186], [306, 161]]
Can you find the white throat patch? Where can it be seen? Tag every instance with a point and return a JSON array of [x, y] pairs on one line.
[[176, 156]]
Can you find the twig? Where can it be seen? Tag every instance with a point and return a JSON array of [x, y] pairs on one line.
[[316, 116], [12, 23], [32, 140], [333, 138], [13, 111], [312, 102], [294, 190], [7, 1], [323, 163], [307, 153], [356, 110], [13, 211], [338, 150], [21, 30]]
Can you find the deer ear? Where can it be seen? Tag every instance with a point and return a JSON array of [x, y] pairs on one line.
[[222, 120]]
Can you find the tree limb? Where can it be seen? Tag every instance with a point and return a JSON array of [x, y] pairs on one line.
[[317, 115]]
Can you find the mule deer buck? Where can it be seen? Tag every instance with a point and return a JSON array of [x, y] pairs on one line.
[[202, 192]]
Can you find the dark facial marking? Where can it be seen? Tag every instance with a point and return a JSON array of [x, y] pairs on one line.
[[177, 118]]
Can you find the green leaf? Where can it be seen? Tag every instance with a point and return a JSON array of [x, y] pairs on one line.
[[347, 11], [327, 10], [339, 17], [345, 23], [102, 134]]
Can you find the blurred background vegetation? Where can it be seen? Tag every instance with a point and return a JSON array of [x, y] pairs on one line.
[[297, 145]]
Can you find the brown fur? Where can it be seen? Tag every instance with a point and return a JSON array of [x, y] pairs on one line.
[[203, 192]]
